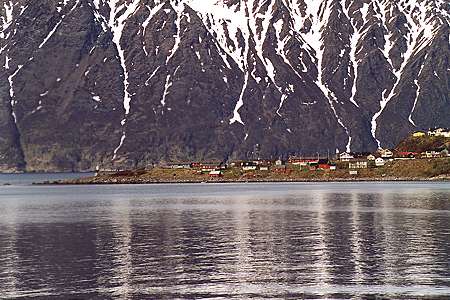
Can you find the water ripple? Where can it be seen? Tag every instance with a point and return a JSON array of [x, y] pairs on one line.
[[225, 241]]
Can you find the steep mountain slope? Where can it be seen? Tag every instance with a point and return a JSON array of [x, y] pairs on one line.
[[130, 82]]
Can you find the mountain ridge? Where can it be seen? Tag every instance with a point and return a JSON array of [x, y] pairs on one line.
[[127, 83]]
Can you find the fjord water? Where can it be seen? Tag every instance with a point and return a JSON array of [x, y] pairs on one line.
[[224, 241], [30, 178]]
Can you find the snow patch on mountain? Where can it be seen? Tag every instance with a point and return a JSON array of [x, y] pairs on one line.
[[11, 90], [314, 36], [289, 61], [421, 27], [118, 15]]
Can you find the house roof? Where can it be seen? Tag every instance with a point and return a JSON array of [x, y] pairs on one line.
[[323, 161], [407, 153], [356, 160], [345, 154]]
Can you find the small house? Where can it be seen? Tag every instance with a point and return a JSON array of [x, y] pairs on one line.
[[358, 164], [262, 162], [406, 154], [371, 157], [386, 153], [345, 156], [418, 134], [431, 132], [439, 132], [279, 162], [325, 164], [445, 133], [280, 169], [180, 166], [330, 167], [216, 173], [235, 164], [249, 166], [303, 162], [313, 167], [431, 154], [379, 162], [196, 165], [208, 167]]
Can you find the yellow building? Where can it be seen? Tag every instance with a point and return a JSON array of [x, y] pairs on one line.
[[418, 134]]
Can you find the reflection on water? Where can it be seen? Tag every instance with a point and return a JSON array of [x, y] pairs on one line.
[[307, 241]]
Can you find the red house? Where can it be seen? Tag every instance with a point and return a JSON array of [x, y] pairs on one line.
[[302, 161], [407, 154], [215, 173]]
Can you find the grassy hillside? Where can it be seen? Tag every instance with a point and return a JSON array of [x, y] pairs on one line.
[[421, 144]]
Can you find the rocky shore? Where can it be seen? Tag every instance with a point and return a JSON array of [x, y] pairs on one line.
[[299, 180]]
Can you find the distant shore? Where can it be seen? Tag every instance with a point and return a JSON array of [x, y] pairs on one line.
[[336, 180], [400, 170]]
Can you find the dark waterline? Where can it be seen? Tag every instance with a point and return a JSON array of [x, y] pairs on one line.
[[272, 241], [30, 178]]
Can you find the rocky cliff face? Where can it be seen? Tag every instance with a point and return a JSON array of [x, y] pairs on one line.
[[130, 82]]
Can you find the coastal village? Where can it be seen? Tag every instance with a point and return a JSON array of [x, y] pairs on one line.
[[349, 161], [424, 155]]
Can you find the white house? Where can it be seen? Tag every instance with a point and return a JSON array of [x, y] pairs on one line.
[[249, 166], [279, 162], [371, 157], [445, 153], [431, 154], [386, 153], [216, 173], [345, 156], [443, 132], [357, 164], [379, 162], [439, 132]]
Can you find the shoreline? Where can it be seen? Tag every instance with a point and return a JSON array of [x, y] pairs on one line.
[[424, 170], [334, 180]]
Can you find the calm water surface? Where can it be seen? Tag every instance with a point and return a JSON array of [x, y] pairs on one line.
[[30, 178], [240, 241]]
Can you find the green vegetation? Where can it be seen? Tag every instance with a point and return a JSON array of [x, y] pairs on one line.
[[424, 143]]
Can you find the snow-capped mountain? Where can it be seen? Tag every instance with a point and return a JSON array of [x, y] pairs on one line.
[[129, 82]]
